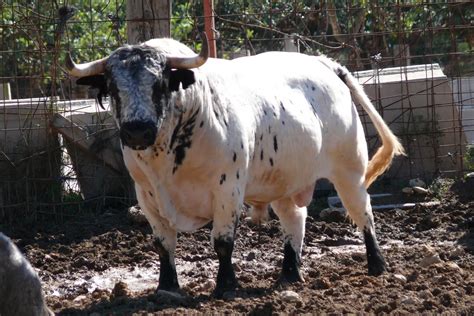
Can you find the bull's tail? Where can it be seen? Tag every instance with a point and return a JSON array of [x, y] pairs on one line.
[[391, 146]]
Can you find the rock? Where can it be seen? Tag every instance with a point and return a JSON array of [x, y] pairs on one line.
[[430, 260], [399, 277], [417, 183], [135, 214], [251, 256], [419, 190], [120, 290], [408, 190], [290, 296], [408, 300], [209, 285], [470, 175], [249, 222], [452, 266], [322, 283], [456, 253], [333, 214], [79, 298], [425, 295]]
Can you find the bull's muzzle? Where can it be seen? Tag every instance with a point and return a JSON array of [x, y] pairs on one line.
[[138, 135]]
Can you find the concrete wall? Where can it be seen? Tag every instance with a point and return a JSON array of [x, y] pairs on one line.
[[417, 102]]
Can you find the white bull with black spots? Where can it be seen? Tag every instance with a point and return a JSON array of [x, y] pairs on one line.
[[201, 137]]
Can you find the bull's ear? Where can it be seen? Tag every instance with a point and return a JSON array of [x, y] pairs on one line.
[[96, 82], [183, 76]]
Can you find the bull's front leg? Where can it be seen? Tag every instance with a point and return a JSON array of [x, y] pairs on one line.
[[226, 217], [165, 242]]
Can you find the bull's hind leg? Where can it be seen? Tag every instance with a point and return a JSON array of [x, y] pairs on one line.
[[292, 219], [351, 189]]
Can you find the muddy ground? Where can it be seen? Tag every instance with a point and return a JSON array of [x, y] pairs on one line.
[[105, 264]]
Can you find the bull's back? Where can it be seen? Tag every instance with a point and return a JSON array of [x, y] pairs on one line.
[[293, 109]]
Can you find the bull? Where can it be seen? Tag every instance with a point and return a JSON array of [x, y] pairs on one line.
[[201, 137], [20, 286]]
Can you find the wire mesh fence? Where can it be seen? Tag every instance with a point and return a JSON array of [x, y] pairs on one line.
[[59, 154]]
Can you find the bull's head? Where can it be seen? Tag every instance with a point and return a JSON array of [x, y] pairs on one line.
[[140, 81]]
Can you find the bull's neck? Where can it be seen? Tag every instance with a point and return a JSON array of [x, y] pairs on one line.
[[181, 125]]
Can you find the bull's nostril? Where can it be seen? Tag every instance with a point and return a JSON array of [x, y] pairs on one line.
[[148, 135], [127, 135]]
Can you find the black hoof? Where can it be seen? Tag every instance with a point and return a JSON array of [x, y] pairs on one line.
[[290, 272], [377, 266], [375, 261], [290, 277], [226, 292], [175, 289]]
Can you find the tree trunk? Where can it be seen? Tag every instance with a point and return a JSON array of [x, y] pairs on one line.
[[147, 19]]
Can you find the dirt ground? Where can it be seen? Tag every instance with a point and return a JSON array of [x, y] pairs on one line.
[[105, 264]]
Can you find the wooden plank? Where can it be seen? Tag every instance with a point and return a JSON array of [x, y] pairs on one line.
[[84, 141]]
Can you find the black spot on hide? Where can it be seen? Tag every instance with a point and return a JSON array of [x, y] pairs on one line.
[[181, 138], [149, 192], [234, 158], [261, 155], [264, 112], [202, 124], [222, 179], [275, 143], [283, 122], [237, 175], [216, 114], [271, 161], [282, 107], [313, 88], [242, 145]]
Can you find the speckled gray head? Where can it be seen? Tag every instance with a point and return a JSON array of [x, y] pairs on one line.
[[140, 81]]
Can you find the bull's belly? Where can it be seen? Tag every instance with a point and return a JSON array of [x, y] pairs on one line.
[[193, 207], [285, 178]]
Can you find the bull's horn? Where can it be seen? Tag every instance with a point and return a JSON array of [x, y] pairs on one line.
[[191, 62], [87, 69]]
